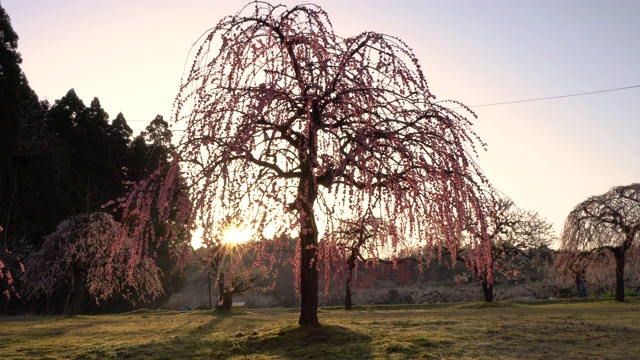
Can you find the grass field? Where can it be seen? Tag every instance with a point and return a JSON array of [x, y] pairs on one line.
[[585, 329]]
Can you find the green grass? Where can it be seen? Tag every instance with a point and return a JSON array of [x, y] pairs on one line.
[[584, 329]]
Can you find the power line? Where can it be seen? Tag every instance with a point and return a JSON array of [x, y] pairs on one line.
[[556, 97], [518, 101]]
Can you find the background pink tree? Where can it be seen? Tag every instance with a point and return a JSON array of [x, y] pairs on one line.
[[79, 257], [294, 127], [364, 241], [232, 265], [579, 267]]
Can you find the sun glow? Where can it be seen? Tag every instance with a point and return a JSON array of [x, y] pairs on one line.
[[236, 235], [196, 238]]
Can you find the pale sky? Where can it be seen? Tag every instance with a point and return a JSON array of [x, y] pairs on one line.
[[546, 155]]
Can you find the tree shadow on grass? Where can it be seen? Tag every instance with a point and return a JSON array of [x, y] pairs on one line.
[[288, 342], [329, 341]]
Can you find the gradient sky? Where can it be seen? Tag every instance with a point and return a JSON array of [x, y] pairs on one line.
[[546, 155]]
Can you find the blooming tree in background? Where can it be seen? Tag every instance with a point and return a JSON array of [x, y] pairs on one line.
[[365, 239], [607, 222], [232, 265], [79, 257], [294, 127], [582, 267], [238, 274]]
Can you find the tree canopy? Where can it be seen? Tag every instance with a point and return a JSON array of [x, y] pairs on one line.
[[291, 124]]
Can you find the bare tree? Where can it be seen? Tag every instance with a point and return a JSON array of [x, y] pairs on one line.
[[609, 222], [292, 124], [515, 234]]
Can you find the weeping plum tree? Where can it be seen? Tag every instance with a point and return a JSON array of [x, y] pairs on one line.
[[355, 238], [79, 258], [293, 125], [608, 222]]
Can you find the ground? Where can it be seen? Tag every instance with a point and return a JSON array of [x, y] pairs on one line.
[[562, 329]]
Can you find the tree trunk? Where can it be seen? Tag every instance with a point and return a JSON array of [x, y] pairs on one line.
[[347, 301], [350, 263], [619, 255], [225, 302], [580, 278], [309, 276], [487, 291], [74, 299], [209, 285], [307, 194]]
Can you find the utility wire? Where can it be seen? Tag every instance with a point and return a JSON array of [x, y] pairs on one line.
[[523, 101], [556, 97]]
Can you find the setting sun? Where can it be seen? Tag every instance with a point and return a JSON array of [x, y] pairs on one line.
[[236, 235]]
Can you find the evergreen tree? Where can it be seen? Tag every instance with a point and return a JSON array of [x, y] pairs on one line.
[[158, 132], [97, 149], [12, 88], [27, 165], [120, 134], [21, 137]]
